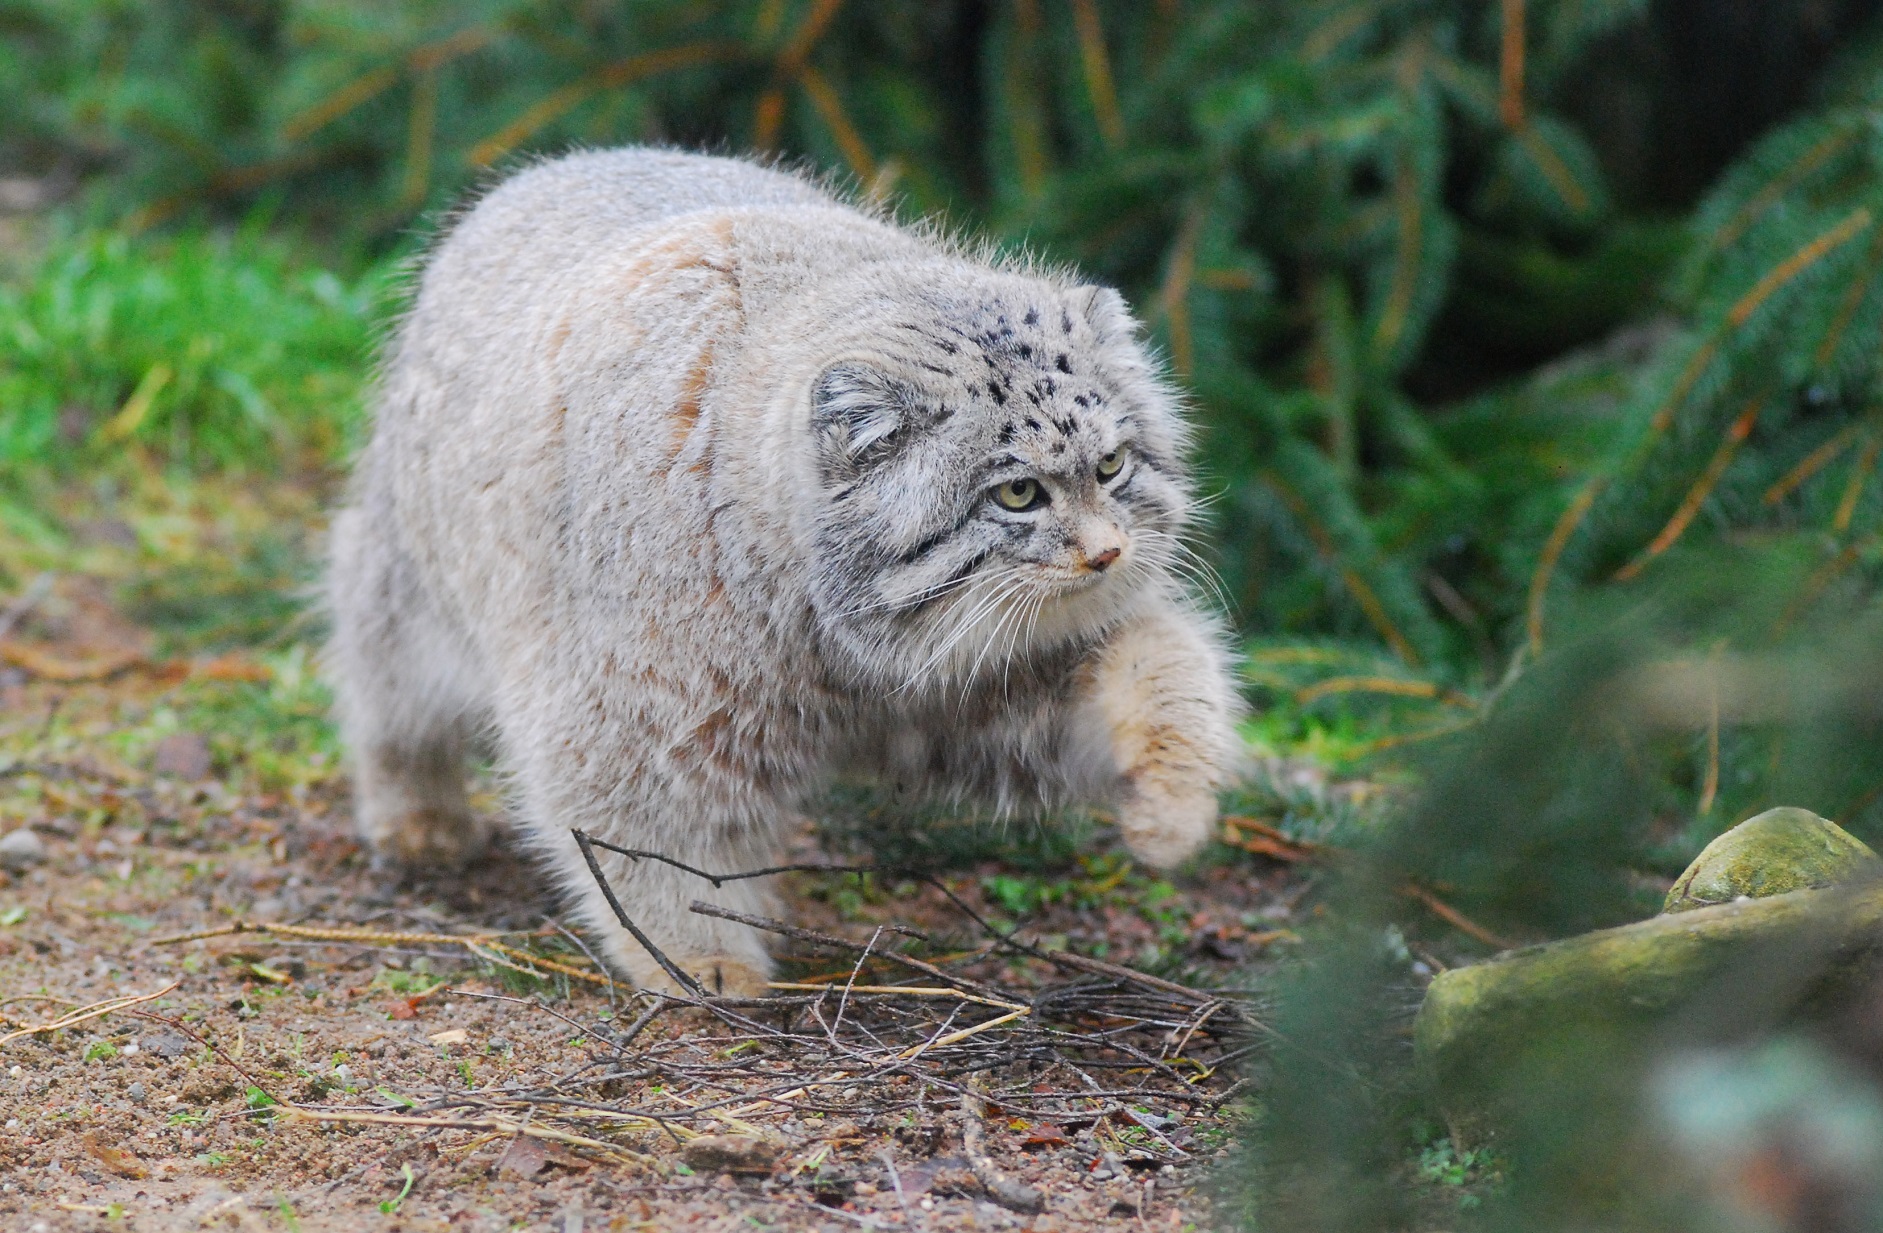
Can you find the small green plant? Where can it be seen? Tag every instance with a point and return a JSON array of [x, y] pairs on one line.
[[214, 1160], [1441, 1163], [100, 1051], [258, 1100], [13, 915], [389, 1206], [183, 1117], [288, 1215]]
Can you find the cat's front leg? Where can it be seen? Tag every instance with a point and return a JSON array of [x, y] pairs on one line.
[[1164, 690], [579, 771]]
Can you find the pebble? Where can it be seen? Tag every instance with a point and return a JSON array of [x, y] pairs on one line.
[[730, 1154], [20, 850], [136, 1093], [165, 1044], [181, 755]]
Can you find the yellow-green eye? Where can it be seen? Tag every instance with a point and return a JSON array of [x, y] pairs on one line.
[[1020, 494], [1111, 464]]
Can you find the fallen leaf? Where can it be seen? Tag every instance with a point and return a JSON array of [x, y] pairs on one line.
[[527, 1156], [401, 1008], [1259, 837], [454, 1036], [1045, 1134], [119, 1161], [231, 668]]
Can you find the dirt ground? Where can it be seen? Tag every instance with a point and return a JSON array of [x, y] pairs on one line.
[[183, 791]]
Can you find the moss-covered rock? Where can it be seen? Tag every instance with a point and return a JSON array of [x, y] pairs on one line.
[[1580, 1005], [1779, 851]]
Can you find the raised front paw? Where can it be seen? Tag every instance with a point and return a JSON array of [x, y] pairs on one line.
[[1164, 828]]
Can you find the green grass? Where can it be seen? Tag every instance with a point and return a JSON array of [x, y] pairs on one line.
[[206, 349]]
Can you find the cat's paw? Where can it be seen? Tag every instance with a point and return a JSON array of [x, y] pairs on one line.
[[718, 975], [427, 839], [1164, 828]]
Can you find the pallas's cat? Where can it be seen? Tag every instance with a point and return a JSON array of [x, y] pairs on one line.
[[692, 487]]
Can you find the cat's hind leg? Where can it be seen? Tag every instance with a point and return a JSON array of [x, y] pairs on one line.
[[406, 700]]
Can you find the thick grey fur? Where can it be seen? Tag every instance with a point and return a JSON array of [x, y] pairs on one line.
[[681, 490]]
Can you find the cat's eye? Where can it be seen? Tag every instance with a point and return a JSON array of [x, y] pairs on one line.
[[1020, 494], [1111, 464]]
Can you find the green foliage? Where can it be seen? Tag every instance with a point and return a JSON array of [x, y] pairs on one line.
[[210, 349], [1538, 823]]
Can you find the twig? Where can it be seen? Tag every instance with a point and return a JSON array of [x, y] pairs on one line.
[[1453, 917], [94, 1011], [1000, 1188], [500, 1125]]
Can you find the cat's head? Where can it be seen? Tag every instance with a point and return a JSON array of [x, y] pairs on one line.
[[999, 470]]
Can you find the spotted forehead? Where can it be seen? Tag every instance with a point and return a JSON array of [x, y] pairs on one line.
[[1032, 363]]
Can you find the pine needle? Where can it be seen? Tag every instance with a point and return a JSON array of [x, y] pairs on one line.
[[1736, 435]]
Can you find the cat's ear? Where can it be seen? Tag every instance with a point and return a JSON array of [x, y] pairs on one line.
[[857, 411], [1104, 310]]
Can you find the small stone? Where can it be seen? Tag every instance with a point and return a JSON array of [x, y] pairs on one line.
[[181, 755], [165, 1044], [729, 1154], [136, 1092], [1779, 851], [20, 850]]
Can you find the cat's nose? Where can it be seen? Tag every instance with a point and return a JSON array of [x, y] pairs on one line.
[[1102, 561]]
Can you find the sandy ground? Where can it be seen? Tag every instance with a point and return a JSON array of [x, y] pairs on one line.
[[150, 815]]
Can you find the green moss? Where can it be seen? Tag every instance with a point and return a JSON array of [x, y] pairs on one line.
[[1780, 850]]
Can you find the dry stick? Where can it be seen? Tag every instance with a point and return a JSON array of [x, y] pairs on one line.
[[836, 943], [1453, 917], [500, 1125], [205, 1042], [685, 981], [898, 871], [477, 944], [1000, 1188], [94, 1011], [575, 940], [1058, 957], [915, 991]]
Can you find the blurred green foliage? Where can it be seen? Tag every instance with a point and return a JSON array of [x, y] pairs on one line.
[[1382, 241], [217, 350]]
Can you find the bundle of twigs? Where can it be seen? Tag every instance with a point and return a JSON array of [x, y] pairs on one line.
[[1055, 1038]]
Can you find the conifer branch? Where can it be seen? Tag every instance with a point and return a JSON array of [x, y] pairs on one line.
[[1696, 496]]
